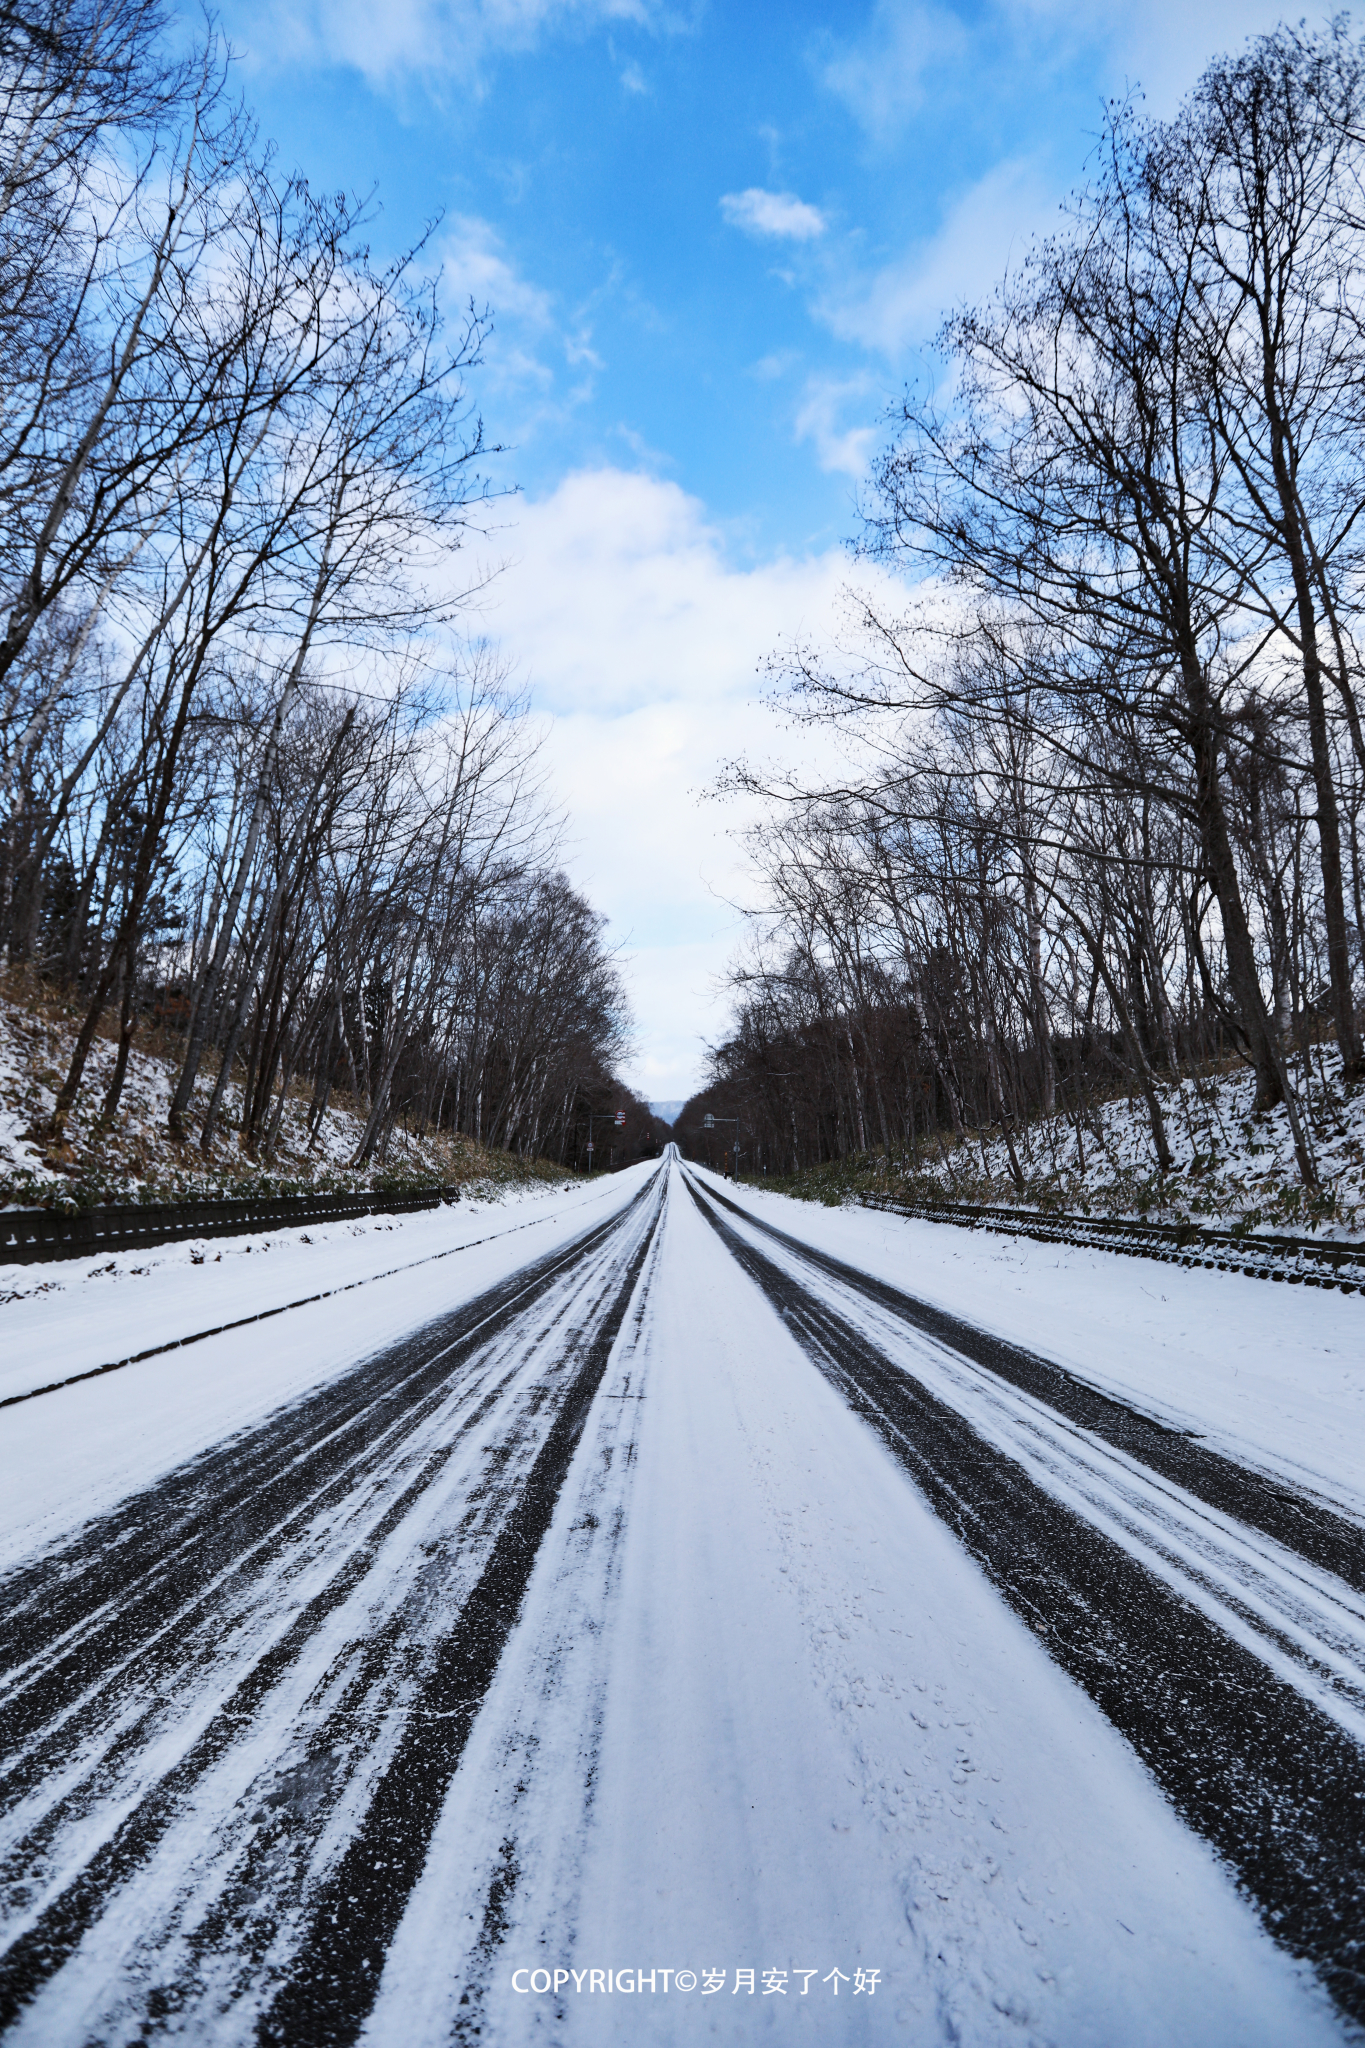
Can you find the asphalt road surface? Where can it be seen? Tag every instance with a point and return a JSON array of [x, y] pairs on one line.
[[693, 1603]]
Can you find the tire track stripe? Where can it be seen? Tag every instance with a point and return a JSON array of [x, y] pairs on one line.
[[1275, 1786], [327, 1997], [1316, 1532]]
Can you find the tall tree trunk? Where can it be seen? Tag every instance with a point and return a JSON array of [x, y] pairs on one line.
[[1324, 785]]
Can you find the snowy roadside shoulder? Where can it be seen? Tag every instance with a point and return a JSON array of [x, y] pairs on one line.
[[1272, 1376], [62, 1318]]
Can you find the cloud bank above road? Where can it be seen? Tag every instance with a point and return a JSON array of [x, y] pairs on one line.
[[641, 629]]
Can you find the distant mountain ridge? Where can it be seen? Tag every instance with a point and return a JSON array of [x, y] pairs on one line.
[[668, 1111]]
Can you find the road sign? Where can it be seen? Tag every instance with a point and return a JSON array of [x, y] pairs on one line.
[[708, 1122], [620, 1118]]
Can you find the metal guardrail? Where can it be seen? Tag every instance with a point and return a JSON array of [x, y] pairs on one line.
[[29, 1235], [1302, 1261]]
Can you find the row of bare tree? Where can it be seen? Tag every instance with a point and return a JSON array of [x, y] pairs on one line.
[[250, 769], [1102, 809]]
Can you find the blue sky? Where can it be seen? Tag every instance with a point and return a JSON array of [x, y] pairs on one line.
[[716, 239]]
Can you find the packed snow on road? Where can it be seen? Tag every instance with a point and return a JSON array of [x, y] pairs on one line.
[[655, 1610]]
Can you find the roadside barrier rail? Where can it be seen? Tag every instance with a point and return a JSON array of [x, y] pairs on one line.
[[28, 1235], [1299, 1261]]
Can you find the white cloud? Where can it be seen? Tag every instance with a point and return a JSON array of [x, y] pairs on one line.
[[843, 449], [521, 385], [578, 349], [643, 639], [1156, 45], [984, 232], [880, 78], [780, 214], [475, 265], [1162, 45], [910, 47], [440, 39]]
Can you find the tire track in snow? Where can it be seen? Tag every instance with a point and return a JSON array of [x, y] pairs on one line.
[[1306, 1623], [328, 1993], [1275, 1785], [78, 1609], [1315, 1531], [508, 1859], [246, 1836]]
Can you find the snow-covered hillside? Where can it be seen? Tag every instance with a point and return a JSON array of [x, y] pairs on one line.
[[137, 1157], [1230, 1167]]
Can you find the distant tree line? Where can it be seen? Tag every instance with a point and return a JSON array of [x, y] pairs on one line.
[[1100, 814], [253, 778]]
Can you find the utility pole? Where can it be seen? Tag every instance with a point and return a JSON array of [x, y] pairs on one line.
[[603, 1116], [709, 1122]]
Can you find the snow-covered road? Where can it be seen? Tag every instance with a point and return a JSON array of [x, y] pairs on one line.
[[664, 1619]]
